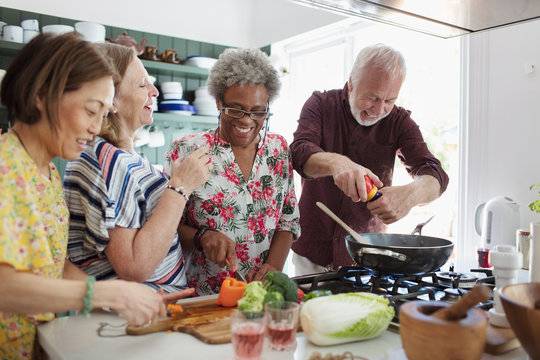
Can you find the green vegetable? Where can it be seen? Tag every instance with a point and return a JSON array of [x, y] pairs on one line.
[[341, 318], [280, 282], [252, 300], [535, 206], [273, 296], [317, 293]]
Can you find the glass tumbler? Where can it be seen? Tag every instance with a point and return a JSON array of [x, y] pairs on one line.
[[247, 334], [282, 321]]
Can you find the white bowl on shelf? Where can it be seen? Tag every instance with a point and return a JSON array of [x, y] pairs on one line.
[[29, 35], [91, 31], [200, 61], [171, 87], [202, 92], [206, 110], [57, 29], [30, 24], [171, 95]]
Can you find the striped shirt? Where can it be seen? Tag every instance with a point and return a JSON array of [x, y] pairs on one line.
[[108, 187]]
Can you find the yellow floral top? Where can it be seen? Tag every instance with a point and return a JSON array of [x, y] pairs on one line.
[[33, 235]]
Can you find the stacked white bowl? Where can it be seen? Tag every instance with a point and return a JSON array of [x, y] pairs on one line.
[[30, 29], [57, 29], [204, 102], [172, 102], [91, 31]]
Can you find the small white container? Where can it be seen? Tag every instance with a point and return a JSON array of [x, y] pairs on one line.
[[57, 29], [171, 87], [29, 35], [91, 31], [171, 96], [13, 33], [30, 24]]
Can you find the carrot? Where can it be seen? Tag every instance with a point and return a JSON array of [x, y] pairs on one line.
[[175, 308], [231, 291]]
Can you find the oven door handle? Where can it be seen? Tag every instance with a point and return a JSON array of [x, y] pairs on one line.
[[383, 252]]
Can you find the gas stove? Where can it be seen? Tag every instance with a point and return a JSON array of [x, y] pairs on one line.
[[448, 286]]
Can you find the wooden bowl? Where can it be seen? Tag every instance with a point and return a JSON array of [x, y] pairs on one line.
[[521, 303], [425, 337]]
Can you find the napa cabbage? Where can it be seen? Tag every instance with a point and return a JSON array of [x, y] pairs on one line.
[[344, 318]]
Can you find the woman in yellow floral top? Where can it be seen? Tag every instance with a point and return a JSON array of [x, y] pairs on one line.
[[57, 91]]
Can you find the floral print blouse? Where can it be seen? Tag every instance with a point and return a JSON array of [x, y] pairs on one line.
[[248, 212], [33, 235]]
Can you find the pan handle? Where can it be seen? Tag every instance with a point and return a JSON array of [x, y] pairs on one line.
[[383, 252]]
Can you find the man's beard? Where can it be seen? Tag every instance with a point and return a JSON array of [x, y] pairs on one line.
[[357, 115]]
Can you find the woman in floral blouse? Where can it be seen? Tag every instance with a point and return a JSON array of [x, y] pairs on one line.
[[245, 217]]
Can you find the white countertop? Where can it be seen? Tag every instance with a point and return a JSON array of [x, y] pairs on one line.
[[76, 338]]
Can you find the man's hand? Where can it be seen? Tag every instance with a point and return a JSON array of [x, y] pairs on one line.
[[397, 201], [393, 205], [349, 177]]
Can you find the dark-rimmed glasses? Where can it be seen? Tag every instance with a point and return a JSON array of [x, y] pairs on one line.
[[239, 113]]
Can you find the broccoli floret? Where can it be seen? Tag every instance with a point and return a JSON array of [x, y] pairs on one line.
[[280, 282], [252, 300], [273, 296]]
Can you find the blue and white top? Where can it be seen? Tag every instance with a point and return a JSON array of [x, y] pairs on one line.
[[108, 187]]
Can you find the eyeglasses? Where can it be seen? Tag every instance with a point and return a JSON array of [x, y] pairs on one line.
[[238, 114]]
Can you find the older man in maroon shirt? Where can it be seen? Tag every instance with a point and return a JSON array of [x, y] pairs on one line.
[[347, 133]]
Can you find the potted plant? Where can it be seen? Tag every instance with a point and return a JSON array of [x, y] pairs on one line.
[[535, 205]]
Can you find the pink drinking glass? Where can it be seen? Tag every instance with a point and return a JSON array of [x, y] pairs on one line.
[[282, 321], [247, 334]]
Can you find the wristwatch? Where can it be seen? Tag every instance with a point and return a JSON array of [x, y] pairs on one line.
[[197, 237]]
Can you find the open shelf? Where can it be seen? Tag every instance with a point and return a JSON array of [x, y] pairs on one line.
[[164, 68], [198, 119], [9, 48]]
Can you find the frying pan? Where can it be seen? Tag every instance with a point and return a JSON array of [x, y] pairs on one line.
[[399, 253], [395, 253]]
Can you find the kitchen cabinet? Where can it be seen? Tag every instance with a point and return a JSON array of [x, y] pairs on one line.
[[189, 76]]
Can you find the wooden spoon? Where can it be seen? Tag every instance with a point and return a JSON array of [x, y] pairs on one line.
[[458, 310], [351, 232]]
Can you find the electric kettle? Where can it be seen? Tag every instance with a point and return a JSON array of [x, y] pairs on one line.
[[496, 222]]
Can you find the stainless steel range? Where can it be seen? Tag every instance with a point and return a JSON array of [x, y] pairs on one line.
[[446, 286]]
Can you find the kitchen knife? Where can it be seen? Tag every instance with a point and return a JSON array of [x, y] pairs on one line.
[[237, 274]]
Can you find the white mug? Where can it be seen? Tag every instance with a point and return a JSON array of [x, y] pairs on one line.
[[13, 33], [29, 35], [30, 24]]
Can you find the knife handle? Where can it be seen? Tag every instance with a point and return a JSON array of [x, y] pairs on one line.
[[149, 329]]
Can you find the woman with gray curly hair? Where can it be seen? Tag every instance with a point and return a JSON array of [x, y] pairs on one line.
[[245, 216]]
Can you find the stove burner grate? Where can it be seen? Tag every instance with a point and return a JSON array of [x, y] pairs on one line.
[[457, 279], [397, 288]]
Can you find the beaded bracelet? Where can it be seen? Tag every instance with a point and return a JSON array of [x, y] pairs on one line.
[[90, 280], [179, 190]]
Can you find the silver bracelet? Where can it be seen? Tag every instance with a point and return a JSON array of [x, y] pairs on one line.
[[179, 190]]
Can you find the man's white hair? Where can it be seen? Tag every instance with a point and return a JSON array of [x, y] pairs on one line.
[[379, 56]]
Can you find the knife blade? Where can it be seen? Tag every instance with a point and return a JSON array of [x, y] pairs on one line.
[[237, 274]]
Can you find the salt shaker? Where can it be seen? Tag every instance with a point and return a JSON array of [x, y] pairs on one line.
[[506, 262], [523, 244]]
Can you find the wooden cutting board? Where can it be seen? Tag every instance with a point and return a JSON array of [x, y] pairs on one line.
[[203, 319], [500, 340]]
